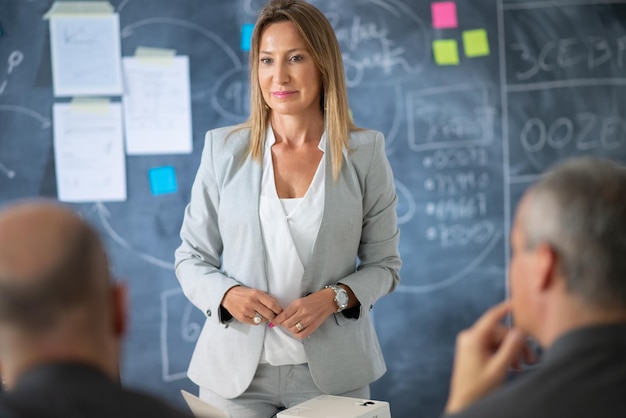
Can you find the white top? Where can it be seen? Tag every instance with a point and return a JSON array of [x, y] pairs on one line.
[[289, 228]]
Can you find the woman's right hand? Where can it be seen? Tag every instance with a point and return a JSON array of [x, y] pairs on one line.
[[243, 303]]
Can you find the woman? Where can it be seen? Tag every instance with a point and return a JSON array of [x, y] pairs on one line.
[[291, 234]]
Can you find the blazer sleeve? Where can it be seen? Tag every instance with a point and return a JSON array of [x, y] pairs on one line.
[[198, 258], [378, 272]]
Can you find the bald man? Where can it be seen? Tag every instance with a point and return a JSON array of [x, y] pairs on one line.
[[62, 319], [567, 279]]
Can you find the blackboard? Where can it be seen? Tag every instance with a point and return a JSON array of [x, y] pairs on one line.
[[464, 141]]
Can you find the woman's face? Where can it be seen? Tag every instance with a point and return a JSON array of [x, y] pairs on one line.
[[288, 77]]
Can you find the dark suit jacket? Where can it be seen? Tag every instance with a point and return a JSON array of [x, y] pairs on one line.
[[72, 390], [583, 375]]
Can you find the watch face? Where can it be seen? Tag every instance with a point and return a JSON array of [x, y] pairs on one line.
[[342, 298]]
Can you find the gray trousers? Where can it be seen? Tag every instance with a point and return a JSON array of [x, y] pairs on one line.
[[273, 389]]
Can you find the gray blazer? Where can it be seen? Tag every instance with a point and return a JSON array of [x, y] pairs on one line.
[[222, 247]]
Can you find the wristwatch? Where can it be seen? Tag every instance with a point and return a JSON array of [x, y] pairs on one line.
[[341, 296]]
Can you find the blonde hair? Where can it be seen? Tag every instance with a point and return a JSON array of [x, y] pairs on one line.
[[321, 42]]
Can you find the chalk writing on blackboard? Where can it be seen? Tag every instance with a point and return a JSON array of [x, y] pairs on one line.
[[374, 50], [104, 216], [122, 4], [586, 53], [232, 95], [45, 122], [128, 30], [7, 171], [181, 323], [15, 59], [406, 203]]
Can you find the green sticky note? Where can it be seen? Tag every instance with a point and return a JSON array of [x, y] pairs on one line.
[[475, 43], [446, 52]]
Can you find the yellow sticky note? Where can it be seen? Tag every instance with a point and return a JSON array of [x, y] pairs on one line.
[[160, 56], [475, 43], [90, 104], [78, 9], [446, 52]]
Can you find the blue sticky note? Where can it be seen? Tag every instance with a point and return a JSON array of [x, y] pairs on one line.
[[246, 36], [162, 180]]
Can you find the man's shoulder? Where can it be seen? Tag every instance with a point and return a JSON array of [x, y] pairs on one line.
[[5, 411], [76, 390], [508, 401], [569, 387], [120, 404]]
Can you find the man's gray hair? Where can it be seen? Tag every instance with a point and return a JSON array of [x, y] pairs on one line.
[[579, 209]]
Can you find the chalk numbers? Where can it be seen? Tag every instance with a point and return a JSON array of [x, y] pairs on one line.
[[190, 329], [585, 131]]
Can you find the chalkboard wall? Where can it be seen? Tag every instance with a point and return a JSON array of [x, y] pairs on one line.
[[464, 140]]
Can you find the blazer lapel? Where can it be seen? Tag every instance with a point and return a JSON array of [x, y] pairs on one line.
[[331, 198]]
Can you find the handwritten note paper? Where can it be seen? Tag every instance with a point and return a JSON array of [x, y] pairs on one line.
[[86, 57], [444, 14], [475, 43], [89, 152], [446, 52], [157, 105]]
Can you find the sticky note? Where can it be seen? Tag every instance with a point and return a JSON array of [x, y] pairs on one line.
[[246, 36], [475, 43], [160, 56], [446, 52], [90, 104], [78, 8], [444, 14], [162, 180]]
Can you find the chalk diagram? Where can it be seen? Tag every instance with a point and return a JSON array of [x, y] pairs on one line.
[[9, 158], [15, 59], [180, 328], [384, 44], [452, 220], [13, 137]]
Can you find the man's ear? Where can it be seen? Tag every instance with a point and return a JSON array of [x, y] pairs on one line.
[[120, 309], [545, 267]]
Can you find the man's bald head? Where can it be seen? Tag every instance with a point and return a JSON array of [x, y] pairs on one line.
[[51, 263]]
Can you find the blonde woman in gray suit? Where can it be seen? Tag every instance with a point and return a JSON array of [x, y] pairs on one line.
[[291, 233]]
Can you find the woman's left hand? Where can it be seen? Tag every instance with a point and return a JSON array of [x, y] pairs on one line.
[[303, 316]]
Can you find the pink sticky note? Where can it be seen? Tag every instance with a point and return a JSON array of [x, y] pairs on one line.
[[444, 14]]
